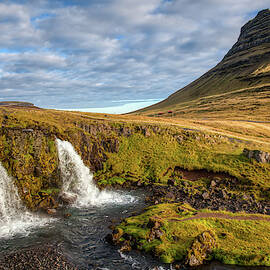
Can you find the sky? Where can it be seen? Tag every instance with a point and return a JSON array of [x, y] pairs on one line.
[[112, 55]]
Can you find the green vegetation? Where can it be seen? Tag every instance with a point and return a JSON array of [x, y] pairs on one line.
[[119, 152], [32, 160], [125, 150], [242, 242], [153, 160]]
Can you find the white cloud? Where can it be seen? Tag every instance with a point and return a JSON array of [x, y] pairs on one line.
[[98, 51]]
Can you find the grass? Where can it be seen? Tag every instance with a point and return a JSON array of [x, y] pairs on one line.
[[149, 158], [153, 159], [126, 149], [242, 242]]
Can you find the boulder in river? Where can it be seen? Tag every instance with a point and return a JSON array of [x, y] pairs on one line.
[[51, 211], [68, 198]]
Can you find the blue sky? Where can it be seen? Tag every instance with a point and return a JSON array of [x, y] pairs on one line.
[[112, 55]]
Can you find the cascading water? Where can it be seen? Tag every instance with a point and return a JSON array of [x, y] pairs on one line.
[[14, 217], [78, 180]]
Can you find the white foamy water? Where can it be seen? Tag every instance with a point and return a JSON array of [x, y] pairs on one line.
[[14, 217], [78, 180]]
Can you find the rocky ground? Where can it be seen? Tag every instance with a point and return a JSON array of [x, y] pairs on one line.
[[218, 196], [45, 257]]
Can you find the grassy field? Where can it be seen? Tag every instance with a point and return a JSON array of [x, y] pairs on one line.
[[190, 144]]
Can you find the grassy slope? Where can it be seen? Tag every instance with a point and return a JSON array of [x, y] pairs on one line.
[[228, 76], [148, 153], [236, 87], [139, 156], [245, 104], [242, 242]]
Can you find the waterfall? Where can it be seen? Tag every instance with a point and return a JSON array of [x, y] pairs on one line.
[[78, 180], [14, 217]]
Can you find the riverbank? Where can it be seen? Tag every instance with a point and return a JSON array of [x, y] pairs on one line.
[[41, 257]]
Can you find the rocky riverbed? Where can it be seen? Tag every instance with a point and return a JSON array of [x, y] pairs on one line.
[[42, 257]]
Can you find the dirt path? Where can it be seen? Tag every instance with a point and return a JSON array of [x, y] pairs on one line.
[[224, 216]]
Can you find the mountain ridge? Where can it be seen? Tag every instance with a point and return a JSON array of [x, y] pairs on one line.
[[247, 64]]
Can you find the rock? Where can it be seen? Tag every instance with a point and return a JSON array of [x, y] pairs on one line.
[[51, 211], [139, 183], [126, 131], [246, 197], [111, 145], [205, 195], [180, 210], [158, 234], [171, 182], [114, 237], [68, 198], [67, 215], [28, 130], [213, 183], [224, 194], [25, 190], [253, 34], [179, 139], [259, 156], [201, 248], [155, 233], [47, 203], [170, 196], [146, 132], [38, 257], [154, 223], [125, 246]]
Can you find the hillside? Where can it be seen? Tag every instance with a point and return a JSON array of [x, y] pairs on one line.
[[236, 86], [173, 162], [105, 143]]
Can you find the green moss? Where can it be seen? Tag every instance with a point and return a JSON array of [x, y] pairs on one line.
[[243, 242], [111, 181], [154, 158], [32, 161]]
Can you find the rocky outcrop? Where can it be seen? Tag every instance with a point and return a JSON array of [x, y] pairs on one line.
[[201, 248], [254, 33], [259, 156], [31, 158], [219, 195], [67, 198]]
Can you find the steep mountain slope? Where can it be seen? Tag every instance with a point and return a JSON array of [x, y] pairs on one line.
[[246, 66]]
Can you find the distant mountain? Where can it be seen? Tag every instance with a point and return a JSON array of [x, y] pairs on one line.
[[244, 69], [17, 104]]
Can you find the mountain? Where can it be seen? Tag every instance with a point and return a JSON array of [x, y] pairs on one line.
[[244, 71]]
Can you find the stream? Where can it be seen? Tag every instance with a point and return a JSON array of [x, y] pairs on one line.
[[82, 239]]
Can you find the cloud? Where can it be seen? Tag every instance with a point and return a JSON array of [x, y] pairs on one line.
[[70, 54]]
